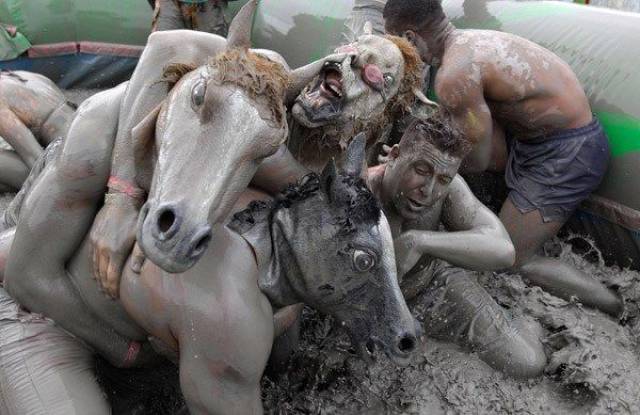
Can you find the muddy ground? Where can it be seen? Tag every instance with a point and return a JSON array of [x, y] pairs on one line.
[[593, 363], [593, 359]]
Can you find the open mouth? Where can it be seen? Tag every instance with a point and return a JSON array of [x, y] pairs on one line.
[[323, 101], [415, 205]]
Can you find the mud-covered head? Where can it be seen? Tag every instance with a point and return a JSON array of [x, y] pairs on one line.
[[217, 124], [423, 165], [340, 258], [376, 78], [423, 22]]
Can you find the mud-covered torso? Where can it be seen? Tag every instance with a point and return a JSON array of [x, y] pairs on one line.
[[33, 98], [529, 90]]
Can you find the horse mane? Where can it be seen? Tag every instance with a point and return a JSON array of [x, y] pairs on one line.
[[361, 206], [264, 80]]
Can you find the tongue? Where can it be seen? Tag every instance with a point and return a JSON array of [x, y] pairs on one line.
[[333, 78], [373, 76]]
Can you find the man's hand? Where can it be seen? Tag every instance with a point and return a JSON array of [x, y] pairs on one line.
[[112, 238], [407, 252]]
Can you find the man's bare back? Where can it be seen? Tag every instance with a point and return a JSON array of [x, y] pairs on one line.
[[529, 90]]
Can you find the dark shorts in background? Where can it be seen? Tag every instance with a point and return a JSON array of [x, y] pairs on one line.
[[555, 173]]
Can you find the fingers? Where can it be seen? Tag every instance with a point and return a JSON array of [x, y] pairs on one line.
[[103, 267], [137, 259], [114, 269]]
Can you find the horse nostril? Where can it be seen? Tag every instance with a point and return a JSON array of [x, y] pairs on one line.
[[166, 220], [201, 242], [407, 343]]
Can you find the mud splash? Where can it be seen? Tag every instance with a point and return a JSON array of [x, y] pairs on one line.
[[593, 361]]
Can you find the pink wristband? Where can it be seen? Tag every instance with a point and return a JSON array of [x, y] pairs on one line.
[[122, 186]]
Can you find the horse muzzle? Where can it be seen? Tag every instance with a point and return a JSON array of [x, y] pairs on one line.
[[168, 239]]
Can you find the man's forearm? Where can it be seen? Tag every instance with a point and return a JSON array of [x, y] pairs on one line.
[[472, 250], [277, 171]]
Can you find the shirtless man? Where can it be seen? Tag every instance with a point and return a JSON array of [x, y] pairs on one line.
[[33, 113], [202, 15], [555, 153], [419, 189]]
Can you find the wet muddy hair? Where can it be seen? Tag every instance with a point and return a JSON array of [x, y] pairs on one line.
[[438, 130], [262, 79], [413, 14]]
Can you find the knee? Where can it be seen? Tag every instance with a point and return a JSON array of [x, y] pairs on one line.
[[521, 356]]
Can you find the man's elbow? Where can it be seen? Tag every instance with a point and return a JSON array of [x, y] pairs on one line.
[[505, 255]]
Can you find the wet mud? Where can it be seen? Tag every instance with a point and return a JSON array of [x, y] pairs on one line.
[[593, 361]]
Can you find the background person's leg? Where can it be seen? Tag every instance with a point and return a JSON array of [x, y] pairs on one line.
[[529, 232], [167, 16], [456, 308]]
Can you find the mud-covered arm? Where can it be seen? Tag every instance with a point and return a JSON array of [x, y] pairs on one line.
[[464, 99], [277, 171], [13, 130], [475, 237]]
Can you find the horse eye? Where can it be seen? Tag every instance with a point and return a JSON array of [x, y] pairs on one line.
[[197, 93], [362, 261]]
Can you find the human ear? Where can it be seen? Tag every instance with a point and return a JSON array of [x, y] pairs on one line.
[[394, 153]]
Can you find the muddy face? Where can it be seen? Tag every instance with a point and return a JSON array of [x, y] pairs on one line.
[[344, 264], [357, 88], [210, 140], [417, 178]]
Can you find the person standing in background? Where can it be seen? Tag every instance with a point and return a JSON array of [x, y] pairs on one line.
[[202, 15]]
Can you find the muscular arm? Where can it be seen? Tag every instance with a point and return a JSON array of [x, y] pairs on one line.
[[464, 99], [476, 239]]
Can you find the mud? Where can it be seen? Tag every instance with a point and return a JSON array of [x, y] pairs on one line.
[[593, 359]]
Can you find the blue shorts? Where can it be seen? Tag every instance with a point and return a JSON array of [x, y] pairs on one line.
[[555, 173]]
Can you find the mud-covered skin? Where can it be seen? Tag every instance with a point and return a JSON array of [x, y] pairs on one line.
[[33, 112], [493, 84], [62, 202]]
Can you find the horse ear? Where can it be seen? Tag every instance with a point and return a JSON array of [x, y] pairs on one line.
[[240, 28], [143, 135], [328, 177], [354, 157]]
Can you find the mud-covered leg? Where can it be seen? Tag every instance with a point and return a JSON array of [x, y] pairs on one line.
[[55, 218], [456, 308], [19, 136], [44, 370], [166, 16], [13, 171], [528, 232]]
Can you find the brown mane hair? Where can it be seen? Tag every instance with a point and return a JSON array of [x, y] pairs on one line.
[[412, 80], [262, 79]]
